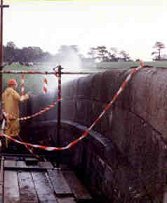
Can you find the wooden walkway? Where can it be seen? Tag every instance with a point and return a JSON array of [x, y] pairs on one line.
[[27, 180]]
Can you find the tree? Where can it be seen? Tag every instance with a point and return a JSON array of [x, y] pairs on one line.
[[11, 45], [103, 54], [25, 55], [9, 52], [124, 55], [158, 46], [113, 54], [100, 52], [92, 53]]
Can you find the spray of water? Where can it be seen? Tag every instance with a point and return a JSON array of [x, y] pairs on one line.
[[70, 60]]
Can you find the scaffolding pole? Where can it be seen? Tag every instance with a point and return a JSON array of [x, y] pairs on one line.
[[2, 6]]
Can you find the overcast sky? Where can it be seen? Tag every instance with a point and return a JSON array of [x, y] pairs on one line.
[[130, 25]]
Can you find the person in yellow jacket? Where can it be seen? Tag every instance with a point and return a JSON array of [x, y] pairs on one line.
[[10, 106]]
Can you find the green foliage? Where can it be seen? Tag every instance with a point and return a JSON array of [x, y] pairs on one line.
[[157, 54], [26, 54], [102, 54]]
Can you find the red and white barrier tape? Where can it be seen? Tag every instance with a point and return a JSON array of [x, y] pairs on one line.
[[30, 149], [35, 114], [86, 132], [40, 112], [22, 84], [45, 85]]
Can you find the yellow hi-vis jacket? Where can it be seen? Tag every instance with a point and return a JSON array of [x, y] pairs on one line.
[[10, 102]]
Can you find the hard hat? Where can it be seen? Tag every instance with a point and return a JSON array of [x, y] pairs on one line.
[[12, 82]]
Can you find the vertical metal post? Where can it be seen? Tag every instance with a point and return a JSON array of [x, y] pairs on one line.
[[1, 34], [58, 114], [1, 45], [2, 6]]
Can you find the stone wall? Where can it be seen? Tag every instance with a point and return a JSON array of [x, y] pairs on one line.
[[136, 125], [124, 156]]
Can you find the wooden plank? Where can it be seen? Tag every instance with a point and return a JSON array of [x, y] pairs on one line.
[[31, 161], [165, 197], [45, 164], [27, 188], [9, 163], [79, 190], [59, 183], [33, 168], [41, 164], [66, 200], [8, 155], [10, 158], [11, 188], [1, 179], [43, 188], [21, 164]]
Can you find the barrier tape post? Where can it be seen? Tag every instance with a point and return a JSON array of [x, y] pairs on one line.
[[59, 68], [22, 84]]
